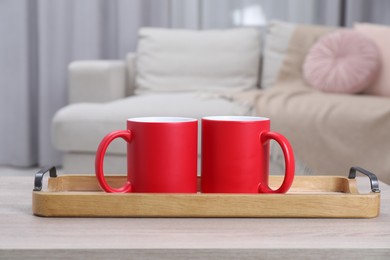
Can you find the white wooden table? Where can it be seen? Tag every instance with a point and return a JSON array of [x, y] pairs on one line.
[[23, 235]]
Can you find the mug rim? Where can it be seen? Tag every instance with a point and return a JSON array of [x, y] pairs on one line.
[[236, 118], [161, 119]]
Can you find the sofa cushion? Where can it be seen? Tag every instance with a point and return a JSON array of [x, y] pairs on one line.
[[81, 126], [278, 45], [380, 34], [344, 61], [187, 60]]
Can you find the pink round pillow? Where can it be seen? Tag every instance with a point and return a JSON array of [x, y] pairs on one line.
[[344, 61]]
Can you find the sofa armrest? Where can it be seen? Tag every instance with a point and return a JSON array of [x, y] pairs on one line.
[[131, 72], [96, 80]]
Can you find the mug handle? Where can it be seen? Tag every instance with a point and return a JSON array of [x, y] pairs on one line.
[[99, 160], [288, 161]]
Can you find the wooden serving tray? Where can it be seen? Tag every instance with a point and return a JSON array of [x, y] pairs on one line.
[[309, 197]]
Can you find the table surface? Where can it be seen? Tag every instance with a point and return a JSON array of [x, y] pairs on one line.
[[24, 235]]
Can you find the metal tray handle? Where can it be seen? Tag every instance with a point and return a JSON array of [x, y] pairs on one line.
[[373, 179], [39, 177], [352, 175]]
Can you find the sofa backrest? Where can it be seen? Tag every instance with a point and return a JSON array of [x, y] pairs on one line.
[[192, 60]]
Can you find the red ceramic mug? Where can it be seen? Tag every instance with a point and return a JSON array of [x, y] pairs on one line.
[[235, 155], [161, 155]]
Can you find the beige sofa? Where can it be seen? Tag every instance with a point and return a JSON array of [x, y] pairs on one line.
[[170, 76], [329, 132]]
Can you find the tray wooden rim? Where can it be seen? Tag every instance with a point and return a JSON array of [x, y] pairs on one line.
[[338, 198]]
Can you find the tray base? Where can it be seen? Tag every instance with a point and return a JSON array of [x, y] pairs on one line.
[[309, 197]]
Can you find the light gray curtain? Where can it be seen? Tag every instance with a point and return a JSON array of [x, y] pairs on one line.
[[39, 38], [374, 11], [217, 13], [18, 85]]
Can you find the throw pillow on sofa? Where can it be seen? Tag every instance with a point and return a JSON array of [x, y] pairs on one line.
[[193, 60], [286, 46], [344, 61], [380, 34]]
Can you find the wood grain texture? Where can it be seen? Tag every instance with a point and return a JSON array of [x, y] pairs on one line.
[[25, 236], [310, 196]]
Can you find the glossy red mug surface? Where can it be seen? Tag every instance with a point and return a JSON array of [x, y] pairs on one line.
[[235, 155], [161, 155]]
